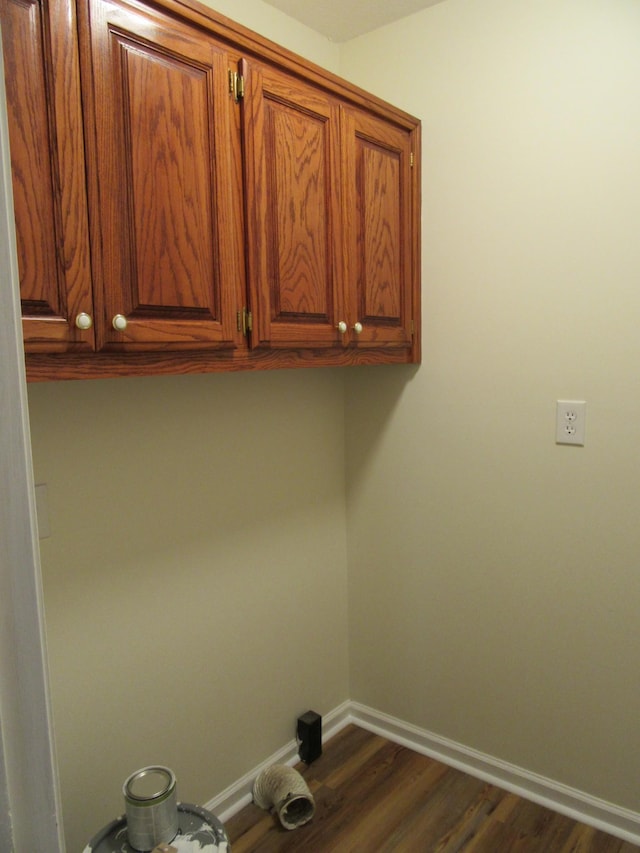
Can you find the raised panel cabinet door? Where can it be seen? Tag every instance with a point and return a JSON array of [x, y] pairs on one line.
[[379, 270], [167, 206], [292, 185], [47, 161]]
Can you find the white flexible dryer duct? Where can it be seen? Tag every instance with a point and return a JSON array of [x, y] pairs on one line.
[[282, 788]]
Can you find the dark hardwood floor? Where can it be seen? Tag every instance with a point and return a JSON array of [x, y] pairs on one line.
[[373, 796]]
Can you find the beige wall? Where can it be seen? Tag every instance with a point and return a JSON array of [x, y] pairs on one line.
[[195, 578], [494, 576]]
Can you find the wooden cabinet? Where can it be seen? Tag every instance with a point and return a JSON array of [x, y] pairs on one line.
[[376, 184], [167, 272], [47, 159], [294, 221], [329, 218], [212, 226]]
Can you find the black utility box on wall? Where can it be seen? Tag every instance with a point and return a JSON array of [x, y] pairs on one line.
[[309, 736]]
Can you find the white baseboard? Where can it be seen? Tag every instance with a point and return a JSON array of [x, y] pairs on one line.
[[238, 795], [622, 823], [577, 805]]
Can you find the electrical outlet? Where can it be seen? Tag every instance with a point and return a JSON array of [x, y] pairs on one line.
[[570, 421]]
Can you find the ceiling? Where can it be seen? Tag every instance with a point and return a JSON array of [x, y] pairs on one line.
[[341, 20]]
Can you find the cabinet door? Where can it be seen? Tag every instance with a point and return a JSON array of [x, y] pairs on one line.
[[47, 160], [292, 184], [378, 230], [167, 208]]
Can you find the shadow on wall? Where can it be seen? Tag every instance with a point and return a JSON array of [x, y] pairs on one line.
[[372, 397]]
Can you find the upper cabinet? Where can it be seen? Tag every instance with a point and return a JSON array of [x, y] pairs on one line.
[[162, 159], [378, 256], [191, 197], [47, 159], [291, 132]]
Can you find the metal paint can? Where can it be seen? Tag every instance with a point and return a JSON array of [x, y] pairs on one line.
[[151, 806]]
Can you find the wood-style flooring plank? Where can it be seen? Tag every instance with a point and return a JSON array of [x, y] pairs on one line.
[[375, 796]]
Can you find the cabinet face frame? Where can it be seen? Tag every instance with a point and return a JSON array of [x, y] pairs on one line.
[[161, 169], [47, 157]]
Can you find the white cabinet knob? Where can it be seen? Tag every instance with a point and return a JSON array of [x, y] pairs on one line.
[[342, 327], [357, 328], [119, 322], [84, 321]]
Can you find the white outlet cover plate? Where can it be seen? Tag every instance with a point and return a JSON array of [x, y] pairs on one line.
[[570, 421]]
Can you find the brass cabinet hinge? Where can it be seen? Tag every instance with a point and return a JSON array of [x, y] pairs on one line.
[[245, 321], [236, 85], [411, 159]]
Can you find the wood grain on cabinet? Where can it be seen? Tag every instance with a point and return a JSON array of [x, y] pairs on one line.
[[47, 159], [376, 182], [161, 170], [220, 232], [294, 230]]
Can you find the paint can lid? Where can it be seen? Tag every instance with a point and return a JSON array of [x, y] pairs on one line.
[[149, 783]]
